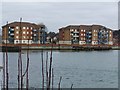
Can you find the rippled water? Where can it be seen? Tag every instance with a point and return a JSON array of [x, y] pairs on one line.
[[84, 69]]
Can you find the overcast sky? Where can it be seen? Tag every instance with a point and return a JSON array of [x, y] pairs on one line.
[[58, 14]]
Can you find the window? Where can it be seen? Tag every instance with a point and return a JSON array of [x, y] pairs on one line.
[[81, 30], [81, 38], [94, 30], [27, 27], [17, 27], [24, 37], [23, 27], [31, 32], [84, 34], [75, 30], [71, 30], [84, 30], [16, 36], [31, 28], [17, 32], [110, 35], [27, 32], [23, 32], [81, 34]]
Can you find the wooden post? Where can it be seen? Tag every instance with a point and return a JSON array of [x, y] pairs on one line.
[[7, 60]]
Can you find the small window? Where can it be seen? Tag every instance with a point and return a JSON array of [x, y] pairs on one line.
[[27, 32], [24, 37], [17, 32], [23, 32], [24, 28], [17, 27], [75, 29], [16, 36], [31, 28], [27, 27]]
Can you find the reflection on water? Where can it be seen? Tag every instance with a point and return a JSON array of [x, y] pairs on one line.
[[83, 69]]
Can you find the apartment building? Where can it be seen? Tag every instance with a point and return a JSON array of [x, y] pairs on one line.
[[85, 35], [23, 33]]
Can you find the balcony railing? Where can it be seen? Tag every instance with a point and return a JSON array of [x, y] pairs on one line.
[[75, 32], [75, 36], [11, 34]]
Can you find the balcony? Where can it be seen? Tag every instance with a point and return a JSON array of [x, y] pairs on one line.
[[34, 35], [11, 34], [11, 29], [75, 35], [34, 30]]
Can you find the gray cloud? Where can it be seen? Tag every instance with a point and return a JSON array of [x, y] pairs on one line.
[[55, 15]]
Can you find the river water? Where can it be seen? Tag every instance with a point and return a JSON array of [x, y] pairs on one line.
[[83, 69]]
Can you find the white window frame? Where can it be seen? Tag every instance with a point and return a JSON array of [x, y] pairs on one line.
[[27, 27], [24, 37], [24, 27], [17, 32], [23, 32], [17, 27], [17, 37]]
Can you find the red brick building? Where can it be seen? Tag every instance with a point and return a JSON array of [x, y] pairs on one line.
[[85, 34]]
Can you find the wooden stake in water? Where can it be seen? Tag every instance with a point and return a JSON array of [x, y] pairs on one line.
[[42, 71], [46, 69], [52, 78], [50, 68], [7, 75], [59, 83], [3, 70]]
